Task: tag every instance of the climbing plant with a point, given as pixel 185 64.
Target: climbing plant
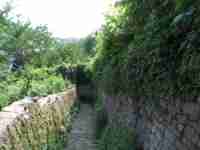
pixel 150 48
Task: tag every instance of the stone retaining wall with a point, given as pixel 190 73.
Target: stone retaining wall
pixel 29 123
pixel 167 124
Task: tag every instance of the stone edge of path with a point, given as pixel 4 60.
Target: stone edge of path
pixel 19 109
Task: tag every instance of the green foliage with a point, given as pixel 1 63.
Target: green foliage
pixel 30 82
pixel 36 48
pixel 52 84
pixel 37 44
pixel 117 138
pixel 45 82
pixel 101 119
pixel 142 52
pixel 4 100
pixel 88 45
pixel 10 90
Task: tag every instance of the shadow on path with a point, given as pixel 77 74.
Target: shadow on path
pixel 82 136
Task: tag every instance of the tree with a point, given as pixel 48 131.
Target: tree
pixel 88 45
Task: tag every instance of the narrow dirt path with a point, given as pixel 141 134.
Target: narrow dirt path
pixel 83 129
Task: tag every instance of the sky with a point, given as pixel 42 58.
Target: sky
pixel 64 18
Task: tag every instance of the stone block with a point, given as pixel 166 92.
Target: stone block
pixel 191 109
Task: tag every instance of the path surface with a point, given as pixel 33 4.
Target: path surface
pixel 83 129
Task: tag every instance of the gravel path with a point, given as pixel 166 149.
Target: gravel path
pixel 83 129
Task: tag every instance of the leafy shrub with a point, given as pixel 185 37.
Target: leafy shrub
pixel 3 100
pixel 30 82
pixel 150 48
pixel 117 138
pixel 101 119
pixel 101 123
pixel 38 89
pixel 39 73
pixel 112 136
pixel 14 91
pixel 50 85
pixel 10 90
pixel 55 84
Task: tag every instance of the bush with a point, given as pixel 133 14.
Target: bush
pixel 101 119
pixel 3 100
pixel 117 138
pixel 14 91
pixel 112 135
pixel 10 90
pixel 150 49
pixel 52 84
pixel 30 82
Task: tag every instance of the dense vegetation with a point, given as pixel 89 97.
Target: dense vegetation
pixel 117 138
pixel 30 82
pixel 150 48
pixel 147 48
pixel 30 58
pixel 113 135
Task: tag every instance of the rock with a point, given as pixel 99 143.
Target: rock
pixel 180 127
pixel 173 110
pixel 62 130
pixel 164 103
pixel 169 140
pixel 180 146
pixel 15 115
pixel 191 109
pixel 190 134
pixel 198 144
pixel 181 119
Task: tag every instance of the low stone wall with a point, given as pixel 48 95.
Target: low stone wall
pixel 30 123
pixel 167 124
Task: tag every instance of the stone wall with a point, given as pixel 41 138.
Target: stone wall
pixel 30 122
pixel 165 125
